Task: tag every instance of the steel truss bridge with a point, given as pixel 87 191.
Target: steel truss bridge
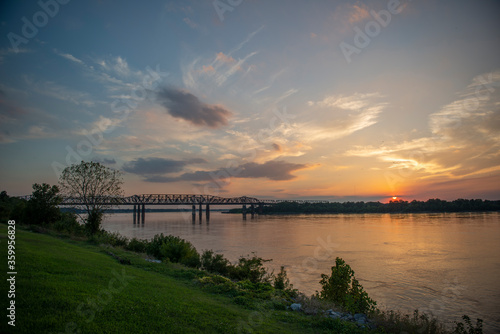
pixel 140 201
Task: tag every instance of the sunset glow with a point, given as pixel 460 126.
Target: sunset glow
pixel 269 99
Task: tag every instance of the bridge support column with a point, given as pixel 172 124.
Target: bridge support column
pixel 252 210
pixel 143 213
pixel 207 213
pixel 261 207
pixel 194 213
pixel 135 214
pixel 244 211
pixel 201 211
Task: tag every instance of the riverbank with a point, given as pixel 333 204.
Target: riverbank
pixel 68 285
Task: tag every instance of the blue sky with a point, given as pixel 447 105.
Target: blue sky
pixel 285 99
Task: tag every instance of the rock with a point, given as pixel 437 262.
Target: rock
pixel 335 315
pixel 155 261
pixel 296 307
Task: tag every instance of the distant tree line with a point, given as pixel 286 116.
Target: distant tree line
pixel 394 206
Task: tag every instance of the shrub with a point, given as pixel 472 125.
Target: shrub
pixel 460 327
pixel 136 245
pixel 174 249
pixel 219 284
pixel 251 269
pixel 68 223
pixel 215 263
pixel 282 283
pixel 343 289
pixel 181 251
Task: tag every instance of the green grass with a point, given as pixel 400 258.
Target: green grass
pixel 70 286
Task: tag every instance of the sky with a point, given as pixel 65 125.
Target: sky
pixel 329 100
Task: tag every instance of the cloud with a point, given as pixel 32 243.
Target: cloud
pixel 273 170
pixel 184 105
pixel 190 23
pixel 69 57
pixel 9 51
pixel 464 140
pixel 155 167
pixel 351 113
pixel 358 13
pixel 206 74
pixel 59 92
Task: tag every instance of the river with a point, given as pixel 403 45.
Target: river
pixel 447 264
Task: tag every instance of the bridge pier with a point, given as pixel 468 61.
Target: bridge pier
pixel 193 215
pixel 200 211
pixel 135 214
pixel 252 210
pixel 244 211
pixel 143 213
pixel 207 213
pixel 261 207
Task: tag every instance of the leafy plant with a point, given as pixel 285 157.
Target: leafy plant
pixel 215 263
pixel 343 289
pixel 471 329
pixel 173 249
pixel 282 283
pixel 251 269
pixel 136 245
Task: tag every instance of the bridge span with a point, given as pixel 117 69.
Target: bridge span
pixel 139 202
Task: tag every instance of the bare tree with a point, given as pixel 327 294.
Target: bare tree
pixel 94 186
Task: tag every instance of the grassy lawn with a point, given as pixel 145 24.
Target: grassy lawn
pixel 67 286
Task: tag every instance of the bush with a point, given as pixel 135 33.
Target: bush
pixel 219 284
pixel 251 269
pixel 282 283
pixel 174 249
pixel 343 289
pixel 181 251
pixel 68 223
pixel 136 245
pixel 460 327
pixel 215 263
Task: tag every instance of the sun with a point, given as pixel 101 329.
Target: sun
pixel 394 197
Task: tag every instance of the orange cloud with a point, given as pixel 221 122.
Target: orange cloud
pixel 223 58
pixel 358 13
pixel 207 69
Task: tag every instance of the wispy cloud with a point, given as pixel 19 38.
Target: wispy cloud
pixel 69 57
pixel 60 92
pixel 202 74
pixel 351 113
pixel 464 140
